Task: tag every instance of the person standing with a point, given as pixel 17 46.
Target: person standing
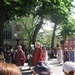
pixel 60 55
pixel 20 57
pixel 30 57
pixel 66 55
pixel 45 54
pixel 8 56
pixel 71 54
pixel 37 54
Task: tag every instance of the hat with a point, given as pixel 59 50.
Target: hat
pixel 68 67
pixel 42 68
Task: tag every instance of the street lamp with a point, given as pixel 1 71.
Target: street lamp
pixel 15 35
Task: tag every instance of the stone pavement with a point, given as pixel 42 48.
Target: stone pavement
pixel 56 68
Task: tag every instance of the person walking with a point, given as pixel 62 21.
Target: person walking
pixel 37 54
pixel 30 57
pixel 45 54
pixel 65 55
pixel 60 55
pixel 20 57
pixel 71 54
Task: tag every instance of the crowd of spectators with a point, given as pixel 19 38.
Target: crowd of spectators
pixel 8 52
pixel 11 54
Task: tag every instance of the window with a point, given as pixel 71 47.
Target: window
pixel 7 34
pixel 74 42
pixel 70 42
pixel 66 43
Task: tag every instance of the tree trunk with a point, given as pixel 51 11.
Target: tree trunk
pixel 53 36
pixel 30 41
pixel 37 30
pixel 1 22
pixel 38 25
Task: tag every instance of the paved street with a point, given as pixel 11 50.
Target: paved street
pixel 55 68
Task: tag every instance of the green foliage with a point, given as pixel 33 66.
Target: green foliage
pixel 44 37
pixel 27 27
pixel 18 8
pixel 68 28
pixel 57 11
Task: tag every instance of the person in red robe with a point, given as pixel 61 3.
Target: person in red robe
pixel 20 57
pixel 37 54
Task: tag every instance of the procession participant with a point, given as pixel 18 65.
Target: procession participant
pixel 60 55
pixel 20 57
pixel 65 55
pixel 37 54
pixel 30 56
pixel 45 54
pixel 71 54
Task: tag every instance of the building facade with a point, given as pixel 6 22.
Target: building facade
pixel 70 42
pixel 10 30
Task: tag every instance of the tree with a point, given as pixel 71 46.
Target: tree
pixel 44 37
pixel 54 10
pixel 49 10
pixel 68 29
pixel 1 21
pixel 27 28
pixel 11 8
pixel 60 15
pixel 42 8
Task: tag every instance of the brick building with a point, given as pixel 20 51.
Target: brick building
pixel 70 42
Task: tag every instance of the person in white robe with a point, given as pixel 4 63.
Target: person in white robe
pixel 60 55
pixel 45 54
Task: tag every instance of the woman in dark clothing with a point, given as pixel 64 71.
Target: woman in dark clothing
pixel 66 54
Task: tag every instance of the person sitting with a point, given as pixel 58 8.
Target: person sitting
pixel 9 69
pixel 42 68
pixel 68 68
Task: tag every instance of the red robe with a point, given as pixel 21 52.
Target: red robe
pixel 37 56
pixel 19 58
